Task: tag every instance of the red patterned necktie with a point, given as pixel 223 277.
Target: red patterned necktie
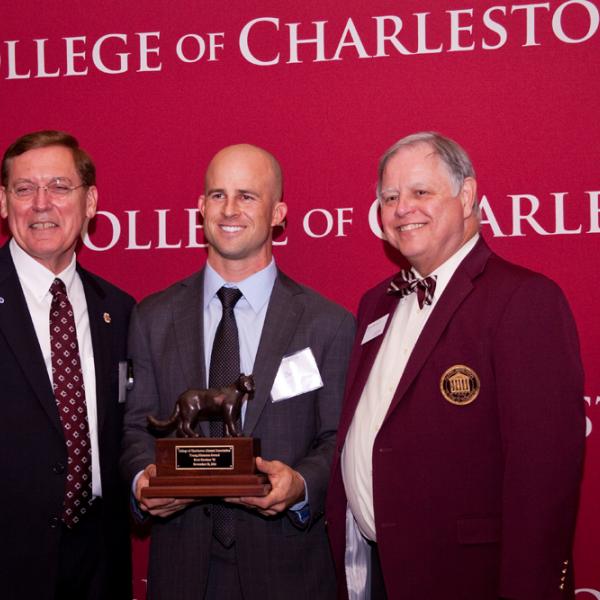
pixel 69 392
pixel 406 282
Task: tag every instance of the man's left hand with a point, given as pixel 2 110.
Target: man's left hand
pixel 287 488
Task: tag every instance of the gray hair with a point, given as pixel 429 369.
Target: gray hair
pixel 457 161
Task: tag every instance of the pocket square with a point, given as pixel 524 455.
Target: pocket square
pixel 298 373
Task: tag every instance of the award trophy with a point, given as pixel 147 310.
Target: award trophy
pixel 190 466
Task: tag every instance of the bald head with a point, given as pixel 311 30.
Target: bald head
pixel 240 206
pixel 241 156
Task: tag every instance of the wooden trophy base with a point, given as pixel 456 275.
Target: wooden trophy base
pixel 206 467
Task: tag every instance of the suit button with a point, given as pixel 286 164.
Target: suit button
pixel 58 468
pixel 54 522
pixel 206 511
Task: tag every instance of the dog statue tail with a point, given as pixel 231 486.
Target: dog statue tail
pixel 167 425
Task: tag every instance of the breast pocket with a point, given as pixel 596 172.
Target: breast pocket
pixel 479 530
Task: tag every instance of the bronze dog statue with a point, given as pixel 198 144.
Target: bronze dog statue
pixel 193 404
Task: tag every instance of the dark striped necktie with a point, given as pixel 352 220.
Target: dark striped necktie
pixel 406 282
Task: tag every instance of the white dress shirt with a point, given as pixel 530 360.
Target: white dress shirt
pixel 36 280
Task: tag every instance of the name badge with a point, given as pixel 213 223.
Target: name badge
pixel 374 329
pixel 125 379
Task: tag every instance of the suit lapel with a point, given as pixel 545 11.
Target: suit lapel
pixel 100 331
pixel 364 356
pixel 283 314
pixel 17 328
pixel 189 333
pixel 457 290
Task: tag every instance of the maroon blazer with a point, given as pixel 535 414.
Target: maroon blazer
pixel 475 501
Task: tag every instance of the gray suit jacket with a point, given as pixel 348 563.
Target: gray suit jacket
pixel 277 558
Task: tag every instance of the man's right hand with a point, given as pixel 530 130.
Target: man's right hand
pixel 158 507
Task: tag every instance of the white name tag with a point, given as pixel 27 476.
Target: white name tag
pixel 374 329
pixel 297 374
pixel 122 381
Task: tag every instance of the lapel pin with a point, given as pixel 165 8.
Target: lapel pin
pixel 107 318
pixel 1 300
pixel 460 385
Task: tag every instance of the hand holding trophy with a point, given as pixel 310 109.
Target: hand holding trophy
pixel 191 466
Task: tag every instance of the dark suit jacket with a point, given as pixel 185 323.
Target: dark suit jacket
pixel 32 446
pixel 276 558
pixel 477 501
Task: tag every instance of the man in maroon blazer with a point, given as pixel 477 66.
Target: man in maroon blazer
pixel 460 445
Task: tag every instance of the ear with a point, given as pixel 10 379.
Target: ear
pixel 467 194
pixel 201 204
pixel 3 203
pixel 279 213
pixel 91 202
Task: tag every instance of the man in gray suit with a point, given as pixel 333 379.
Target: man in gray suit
pixel 279 547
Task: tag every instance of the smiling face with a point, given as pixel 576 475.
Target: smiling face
pixel 240 206
pixel 47 228
pixel 423 216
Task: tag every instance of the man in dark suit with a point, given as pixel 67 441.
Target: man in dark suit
pixel 460 445
pixel 296 344
pixel 65 531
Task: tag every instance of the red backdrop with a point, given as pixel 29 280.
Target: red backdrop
pixel 154 89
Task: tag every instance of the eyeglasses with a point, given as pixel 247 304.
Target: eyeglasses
pixel 57 188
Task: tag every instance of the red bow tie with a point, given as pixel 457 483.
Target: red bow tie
pixel 406 282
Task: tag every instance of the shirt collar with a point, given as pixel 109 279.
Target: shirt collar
pixel 256 288
pixel 444 272
pixel 35 276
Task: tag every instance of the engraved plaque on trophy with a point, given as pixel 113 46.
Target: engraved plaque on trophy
pixel 190 466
